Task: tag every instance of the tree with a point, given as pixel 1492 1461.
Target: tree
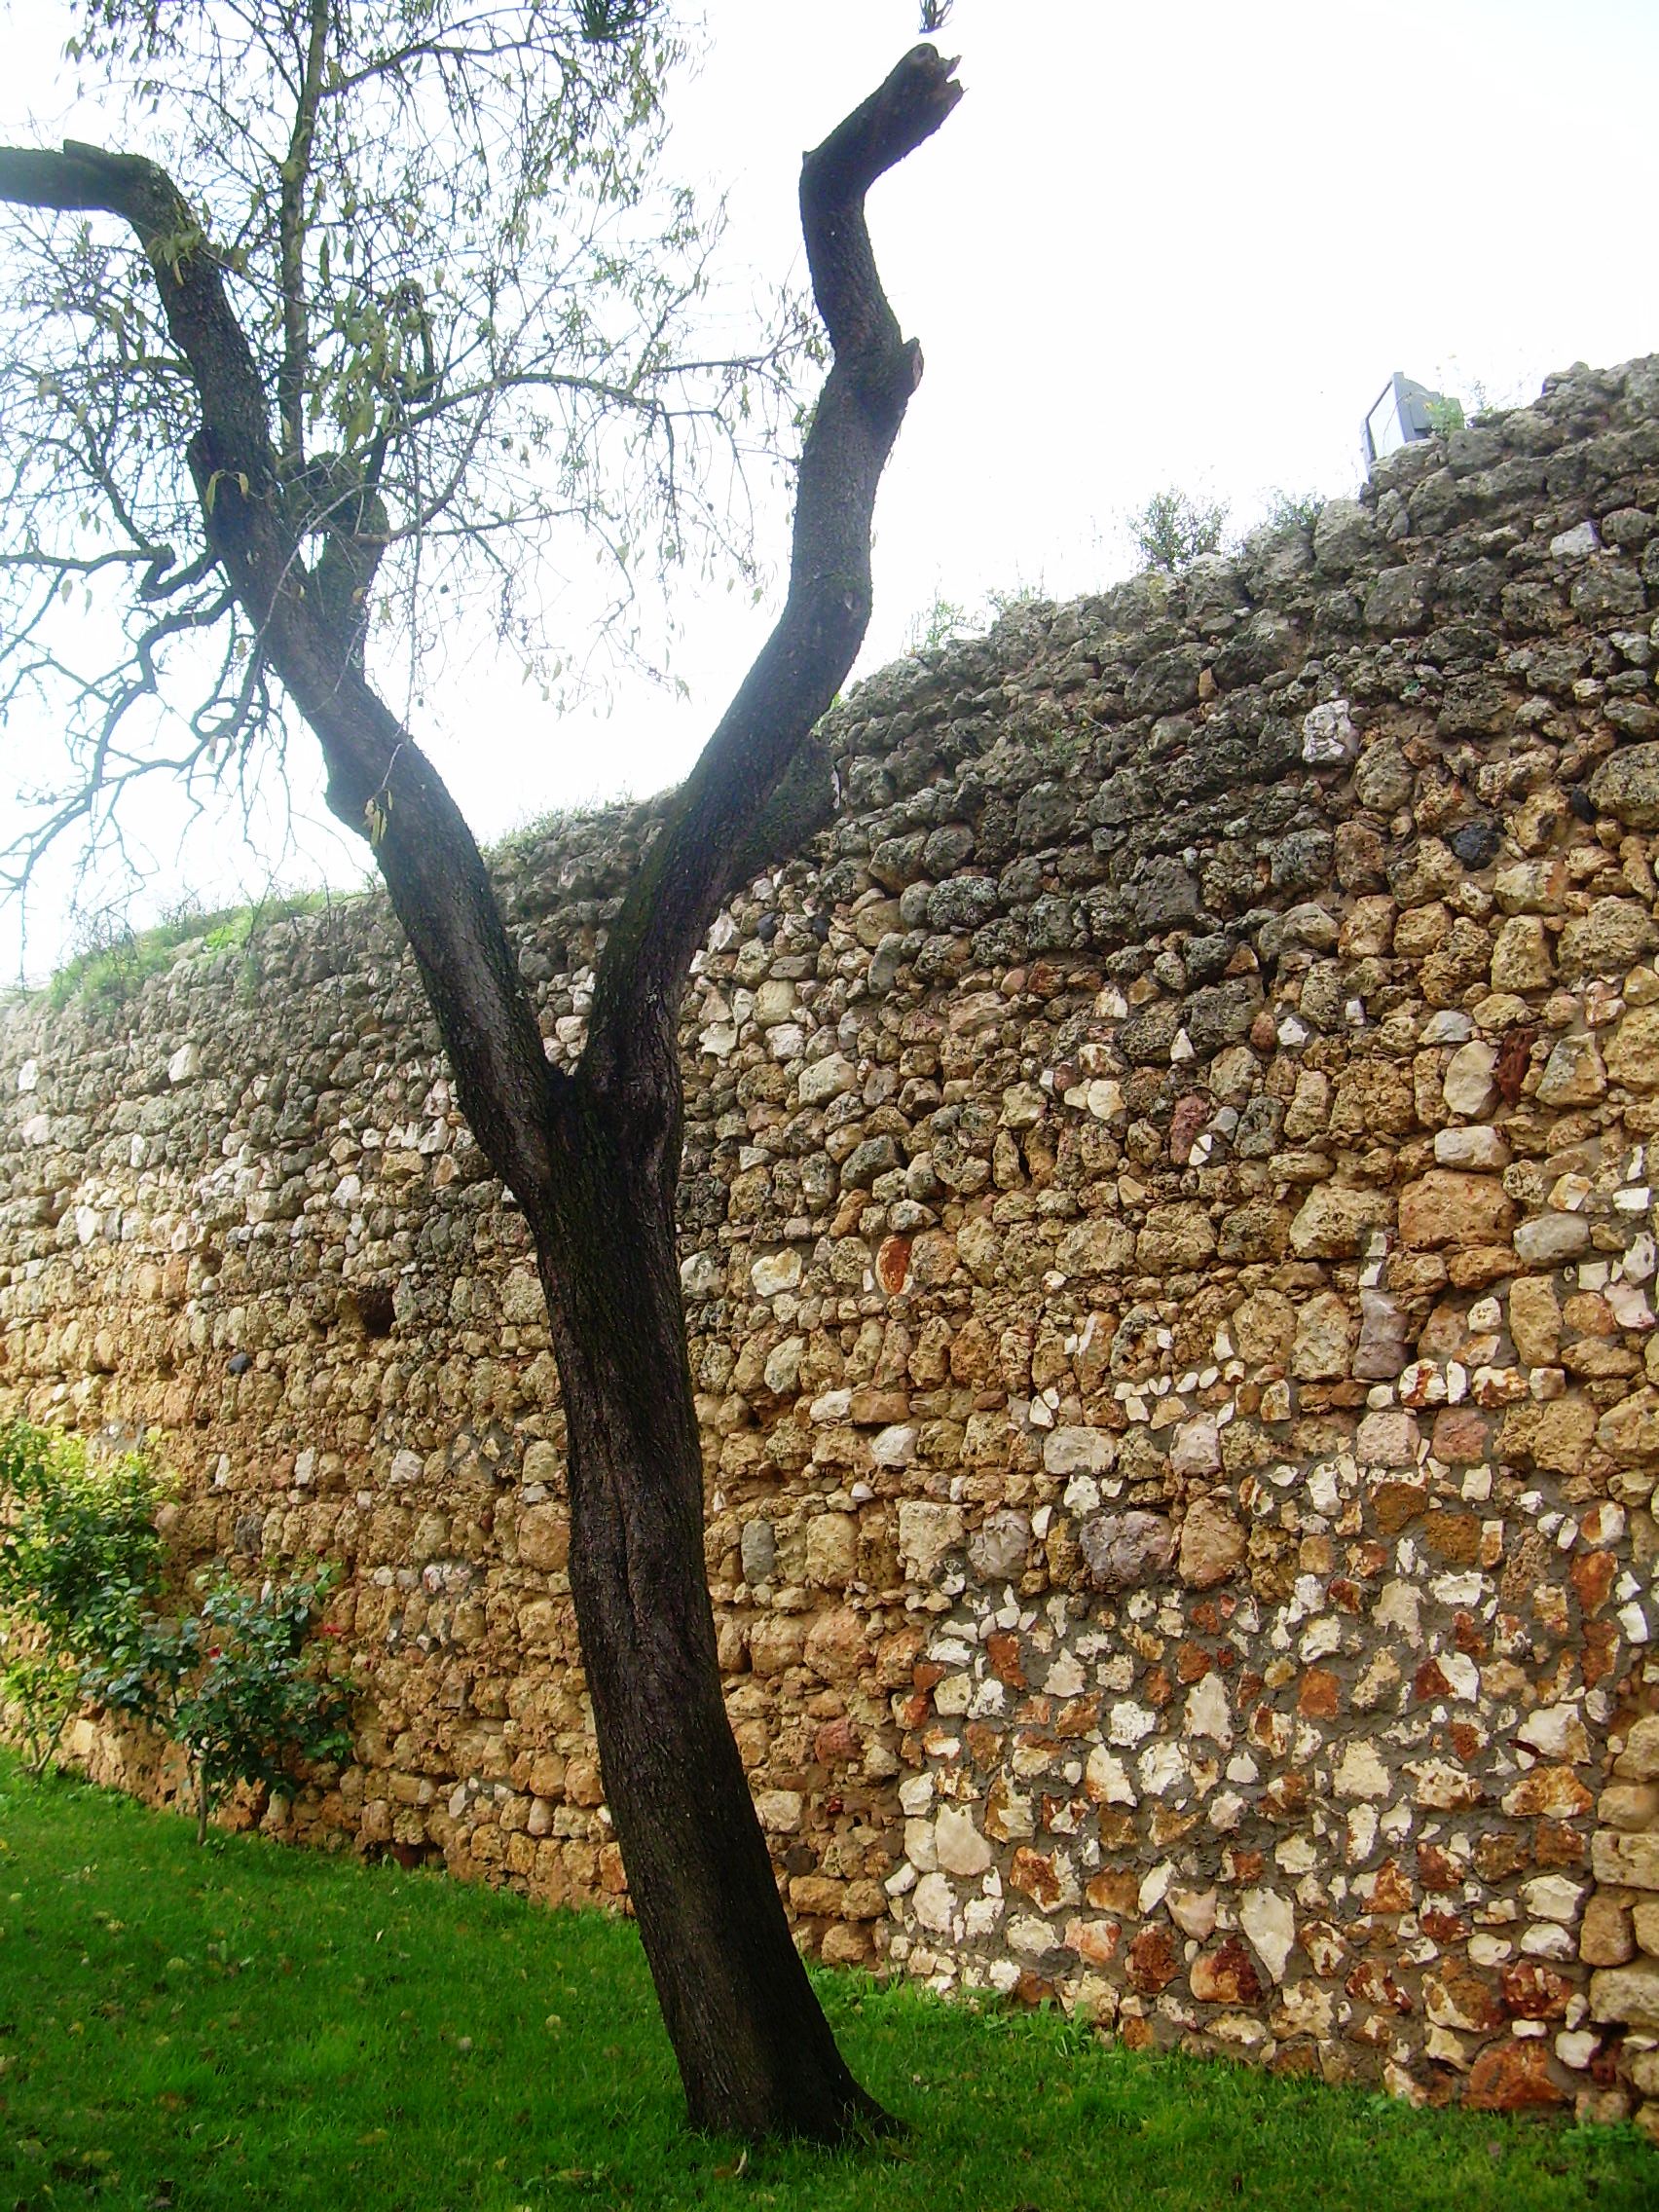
pixel 591 1157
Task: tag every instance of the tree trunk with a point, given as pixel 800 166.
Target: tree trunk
pixel 756 2055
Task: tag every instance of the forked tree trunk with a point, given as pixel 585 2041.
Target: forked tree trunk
pixel 593 1157
pixel 756 2055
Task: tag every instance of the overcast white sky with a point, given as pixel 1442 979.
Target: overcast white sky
pixel 1183 245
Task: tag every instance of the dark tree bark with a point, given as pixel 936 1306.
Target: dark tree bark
pixel 593 1157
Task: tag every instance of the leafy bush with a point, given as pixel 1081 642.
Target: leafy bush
pixel 1173 528
pixel 80 1557
pixel 231 1679
pixel 234 1683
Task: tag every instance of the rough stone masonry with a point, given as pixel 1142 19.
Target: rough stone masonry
pixel 1168 1219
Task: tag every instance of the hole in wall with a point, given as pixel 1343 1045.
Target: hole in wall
pixel 375 1309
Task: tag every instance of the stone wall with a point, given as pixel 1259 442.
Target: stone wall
pixel 1169 1255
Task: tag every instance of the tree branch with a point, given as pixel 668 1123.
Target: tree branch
pixel 378 775
pixel 682 881
pixel 295 173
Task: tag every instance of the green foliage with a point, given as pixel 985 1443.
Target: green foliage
pixel 937 625
pixel 1173 529
pixel 1018 596
pixel 171 2012
pixel 480 308
pixel 232 1678
pixel 945 621
pixel 114 960
pixel 1444 416
pixel 79 1557
pixel 1293 510
pixel 235 1683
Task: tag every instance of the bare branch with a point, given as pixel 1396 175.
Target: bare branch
pixel 295 179
pixel 632 1029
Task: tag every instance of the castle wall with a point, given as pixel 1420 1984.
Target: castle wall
pixel 1169 1255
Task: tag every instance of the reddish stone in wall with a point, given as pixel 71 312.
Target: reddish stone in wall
pixel 1388 1891
pixel 1435 1870
pixel 1462 1437
pixel 1599 1649
pixel 1226 1975
pixel 1593 1574
pixel 1511 2076
pixel 1152 1962
pixel 836 1743
pixel 1117 1890
pixel 1319 1697
pixel 1095 1940
pixel 1373 1985
pixel 1189 1118
pixel 1035 1875
pixel 1533 1991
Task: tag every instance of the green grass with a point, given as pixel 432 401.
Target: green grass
pixel 108 971
pixel 250 2026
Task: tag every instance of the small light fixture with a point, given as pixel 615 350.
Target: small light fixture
pixel 1402 413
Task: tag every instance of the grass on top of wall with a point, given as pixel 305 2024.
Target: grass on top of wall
pixel 247 2025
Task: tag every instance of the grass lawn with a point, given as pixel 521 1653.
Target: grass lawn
pixel 247 2025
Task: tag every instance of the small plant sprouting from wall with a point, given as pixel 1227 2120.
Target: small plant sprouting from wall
pixel 1293 510
pixel 1173 529
pixel 938 624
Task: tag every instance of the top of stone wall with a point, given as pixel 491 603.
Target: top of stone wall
pixel 1105 771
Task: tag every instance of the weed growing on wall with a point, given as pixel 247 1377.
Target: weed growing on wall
pixel 1173 529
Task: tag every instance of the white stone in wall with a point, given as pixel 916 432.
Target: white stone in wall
pixel 1557 1731
pixel 1575 544
pixel 1164 1769
pixel 927 1534
pixel 775 1271
pixel 958 1846
pixel 1360 1773
pixel 1078 1451
pixel 934 1904
pixel 1207 1711
pixel 1270 1922
pixel 1328 735
pixel 1128 1723
pixel 823 1080
pixel 1552 1896
pixel 1107 1779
